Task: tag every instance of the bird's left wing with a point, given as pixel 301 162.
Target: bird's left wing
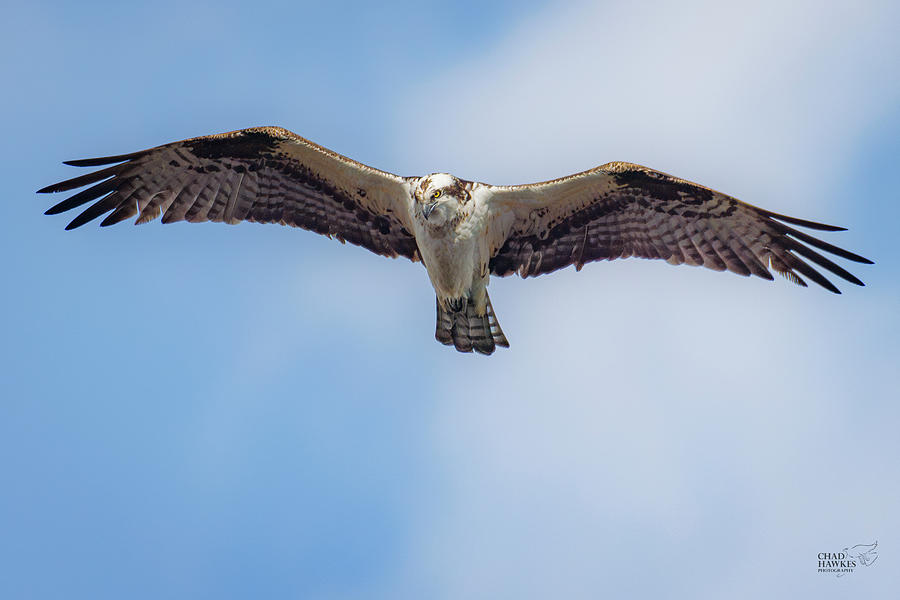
pixel 620 209
pixel 263 174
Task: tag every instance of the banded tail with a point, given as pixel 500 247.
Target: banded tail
pixel 468 331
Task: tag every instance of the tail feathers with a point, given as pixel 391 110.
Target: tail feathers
pixel 444 331
pixel 468 331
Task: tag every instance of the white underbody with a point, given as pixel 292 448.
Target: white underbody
pixel 451 260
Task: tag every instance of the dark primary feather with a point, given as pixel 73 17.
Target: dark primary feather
pixel 265 175
pixel 644 213
pixel 103 160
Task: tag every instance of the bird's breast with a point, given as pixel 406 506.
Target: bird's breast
pixel 451 261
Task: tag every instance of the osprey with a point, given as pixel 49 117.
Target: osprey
pixel 462 231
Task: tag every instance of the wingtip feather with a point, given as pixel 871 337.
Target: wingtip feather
pixel 102 160
pixel 804 222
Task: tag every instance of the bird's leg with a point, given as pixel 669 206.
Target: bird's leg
pixel 457 304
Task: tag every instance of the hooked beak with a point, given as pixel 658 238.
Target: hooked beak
pixel 427 209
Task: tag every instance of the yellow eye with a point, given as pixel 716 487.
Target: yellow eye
pixel 436 194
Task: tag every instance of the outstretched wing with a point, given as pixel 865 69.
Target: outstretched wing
pixel 264 174
pixel 621 209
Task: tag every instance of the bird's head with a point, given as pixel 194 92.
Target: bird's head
pixel 441 200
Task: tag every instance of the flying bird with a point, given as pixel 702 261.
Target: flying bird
pixel 462 231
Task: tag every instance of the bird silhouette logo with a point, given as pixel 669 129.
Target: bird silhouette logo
pixel 863 554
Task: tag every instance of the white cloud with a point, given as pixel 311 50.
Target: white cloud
pixel 653 426
pixel 715 92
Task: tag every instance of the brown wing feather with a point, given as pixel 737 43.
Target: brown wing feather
pixel 621 210
pixel 265 175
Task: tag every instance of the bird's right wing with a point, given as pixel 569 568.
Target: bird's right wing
pixel 263 174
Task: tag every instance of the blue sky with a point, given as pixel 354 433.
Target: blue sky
pixel 202 411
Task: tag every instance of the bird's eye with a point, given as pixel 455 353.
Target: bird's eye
pixel 436 194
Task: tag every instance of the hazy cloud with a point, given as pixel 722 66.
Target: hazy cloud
pixel 655 427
